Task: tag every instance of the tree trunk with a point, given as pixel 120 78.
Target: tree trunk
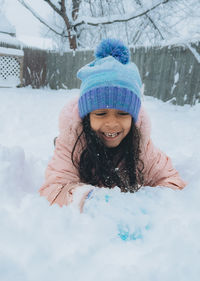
pixel 72 42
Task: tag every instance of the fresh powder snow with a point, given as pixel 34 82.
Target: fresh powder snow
pixel 150 235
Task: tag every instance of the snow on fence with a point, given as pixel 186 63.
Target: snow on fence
pixel 11 67
pixel 170 73
pixel 34 73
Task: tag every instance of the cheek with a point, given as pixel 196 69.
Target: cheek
pixel 127 125
pixel 94 124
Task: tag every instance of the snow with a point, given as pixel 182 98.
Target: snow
pixel 10 81
pixel 116 18
pixel 150 235
pixel 194 52
pixel 5 25
pixel 5 38
pixel 37 42
pixel 37 15
pixel 11 52
pixel 176 78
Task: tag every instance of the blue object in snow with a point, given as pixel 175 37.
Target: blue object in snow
pixel 90 194
pixel 107 198
pixel 125 235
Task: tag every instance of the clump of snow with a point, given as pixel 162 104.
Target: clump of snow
pixel 194 52
pixel 176 78
pixel 150 235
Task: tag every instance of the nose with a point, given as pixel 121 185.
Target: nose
pixel 111 122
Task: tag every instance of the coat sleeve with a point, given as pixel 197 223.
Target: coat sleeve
pixel 157 166
pixel 61 176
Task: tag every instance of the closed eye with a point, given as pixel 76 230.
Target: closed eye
pixel 123 113
pixel 100 114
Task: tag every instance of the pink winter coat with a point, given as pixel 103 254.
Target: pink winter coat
pixel 62 182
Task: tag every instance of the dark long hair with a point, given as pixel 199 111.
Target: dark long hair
pixel 99 165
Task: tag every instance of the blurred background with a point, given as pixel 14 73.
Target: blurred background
pixel 45 42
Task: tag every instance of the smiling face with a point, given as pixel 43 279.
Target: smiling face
pixel 111 125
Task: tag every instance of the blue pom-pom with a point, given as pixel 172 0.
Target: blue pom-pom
pixel 114 48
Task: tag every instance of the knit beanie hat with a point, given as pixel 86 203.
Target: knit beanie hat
pixel 110 81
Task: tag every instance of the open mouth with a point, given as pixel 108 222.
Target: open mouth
pixel 111 135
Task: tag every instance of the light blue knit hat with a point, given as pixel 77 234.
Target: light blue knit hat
pixel 110 81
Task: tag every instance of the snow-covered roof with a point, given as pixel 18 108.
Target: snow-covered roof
pixel 7 32
pixel 6 26
pixel 10 40
pixel 11 52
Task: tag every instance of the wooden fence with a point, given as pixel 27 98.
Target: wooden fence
pixel 170 73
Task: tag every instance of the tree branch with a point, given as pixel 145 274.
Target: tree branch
pixel 63 8
pixel 53 7
pixel 39 18
pixel 75 8
pixel 155 26
pixel 106 20
pixel 62 13
pixel 152 21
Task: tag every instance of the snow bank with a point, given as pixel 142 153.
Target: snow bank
pixel 151 235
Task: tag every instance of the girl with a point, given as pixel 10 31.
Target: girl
pixel 104 138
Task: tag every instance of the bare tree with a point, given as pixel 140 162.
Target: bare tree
pixel 84 22
pixel 60 9
pixel 73 21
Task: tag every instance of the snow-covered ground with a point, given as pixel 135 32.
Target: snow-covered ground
pixel 151 235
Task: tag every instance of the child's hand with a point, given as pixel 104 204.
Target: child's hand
pixel 81 194
pixel 94 197
pixel 92 194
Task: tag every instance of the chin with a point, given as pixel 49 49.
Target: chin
pixel 111 145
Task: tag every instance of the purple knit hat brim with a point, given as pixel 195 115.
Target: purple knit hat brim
pixel 110 97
